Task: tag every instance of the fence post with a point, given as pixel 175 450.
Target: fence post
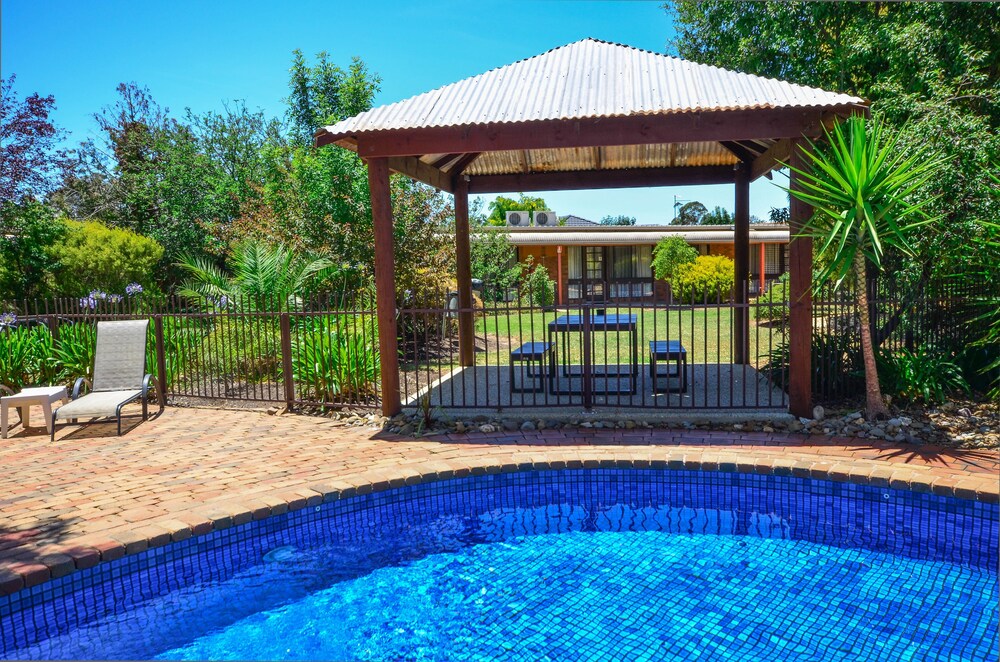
pixel 161 360
pixel 286 360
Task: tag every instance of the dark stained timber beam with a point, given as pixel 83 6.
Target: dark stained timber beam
pixel 738 150
pixel 441 162
pixel 462 163
pixel 777 154
pixel 423 172
pixel 597 179
pixel 752 124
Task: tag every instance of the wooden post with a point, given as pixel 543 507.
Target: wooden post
pixel 763 265
pixel 741 253
pixel 800 297
pixel 559 278
pixel 463 273
pixel 285 328
pixel 385 283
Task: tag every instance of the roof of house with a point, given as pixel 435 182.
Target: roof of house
pixel 587 79
pixel 641 234
pixel 576 221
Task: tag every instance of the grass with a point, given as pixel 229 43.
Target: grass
pixel 706 333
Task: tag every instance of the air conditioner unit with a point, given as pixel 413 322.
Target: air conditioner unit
pixel 518 219
pixel 546 218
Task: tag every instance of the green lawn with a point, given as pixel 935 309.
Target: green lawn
pixel 706 333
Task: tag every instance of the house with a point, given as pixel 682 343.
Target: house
pixel 609 263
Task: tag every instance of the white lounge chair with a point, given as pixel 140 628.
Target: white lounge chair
pixel 119 376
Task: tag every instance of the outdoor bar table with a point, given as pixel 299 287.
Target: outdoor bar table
pixel 587 326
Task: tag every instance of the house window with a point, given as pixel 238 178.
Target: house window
pixel 772 258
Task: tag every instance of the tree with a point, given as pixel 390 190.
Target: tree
pixel 669 253
pixel 718 216
pixel 324 94
pixel 690 213
pixel 493 260
pixel 27 232
pixel 501 205
pixel 860 190
pixel 94 256
pixel 618 220
pixel 778 215
pixel 930 70
pixel 30 164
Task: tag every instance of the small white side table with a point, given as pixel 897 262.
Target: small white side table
pixel 39 395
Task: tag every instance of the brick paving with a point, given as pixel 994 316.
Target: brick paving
pixel 93 496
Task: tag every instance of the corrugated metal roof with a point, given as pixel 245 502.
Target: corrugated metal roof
pixel 587 79
pixel 603 236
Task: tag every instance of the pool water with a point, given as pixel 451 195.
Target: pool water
pixel 576 564
pixel 628 595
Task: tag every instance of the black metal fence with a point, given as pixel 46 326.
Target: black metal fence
pixel 696 351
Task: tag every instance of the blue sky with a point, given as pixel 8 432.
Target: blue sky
pixel 201 54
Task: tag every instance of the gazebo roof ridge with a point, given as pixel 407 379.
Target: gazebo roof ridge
pixel 648 83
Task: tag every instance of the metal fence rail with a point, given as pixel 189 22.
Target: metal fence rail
pixel 323 352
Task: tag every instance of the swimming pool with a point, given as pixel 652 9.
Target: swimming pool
pixel 573 564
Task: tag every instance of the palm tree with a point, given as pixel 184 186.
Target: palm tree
pixel 861 191
pixel 260 276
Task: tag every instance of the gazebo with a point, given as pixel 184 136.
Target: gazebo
pixel 590 115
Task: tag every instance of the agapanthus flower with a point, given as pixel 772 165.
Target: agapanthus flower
pixel 88 302
pixel 133 289
pixel 8 319
pixel 98 295
pixel 222 301
pixel 115 298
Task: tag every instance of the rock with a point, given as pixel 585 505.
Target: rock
pixel 586 424
pixel 599 425
pixel 527 426
pixel 768 428
pixel 509 425
pixel 854 416
pixel 894 423
pixel 819 413
pixel 487 427
pixel 964 412
pixel 460 427
pixel 541 425
pixel 905 421
pixel 406 429
pixel 877 432
pixel 795 426
pixel 804 421
pixel 629 425
pixel 738 427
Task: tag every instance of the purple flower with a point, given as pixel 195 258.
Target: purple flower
pixel 115 298
pixel 8 319
pixel 133 289
pixel 98 295
pixel 88 302
pixel 222 301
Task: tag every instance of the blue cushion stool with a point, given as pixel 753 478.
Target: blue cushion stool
pixel 530 353
pixel 670 351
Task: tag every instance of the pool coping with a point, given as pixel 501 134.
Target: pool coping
pixel 639 451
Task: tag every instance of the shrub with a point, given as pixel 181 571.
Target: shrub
pixel 73 353
pixel 772 306
pixel 539 288
pixel 94 256
pixel 424 289
pixel 924 375
pixel 709 277
pixel 494 262
pixel 670 253
pixel 836 366
pixel 333 358
pixel 25 357
pixel 241 348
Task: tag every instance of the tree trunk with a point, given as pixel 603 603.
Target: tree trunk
pixel 874 404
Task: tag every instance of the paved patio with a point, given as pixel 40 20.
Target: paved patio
pixel 93 496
